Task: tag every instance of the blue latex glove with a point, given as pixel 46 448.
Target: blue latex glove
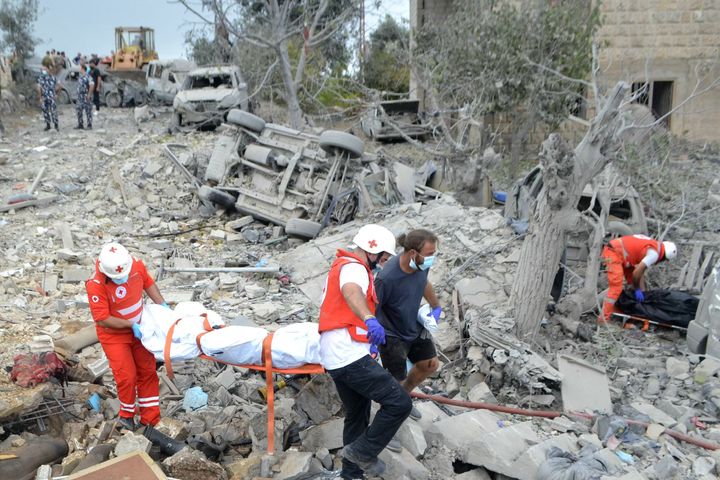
pixel 639 296
pixel 436 312
pixel 164 304
pixel 136 331
pixel 376 332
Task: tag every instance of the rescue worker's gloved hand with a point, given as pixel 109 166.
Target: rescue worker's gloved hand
pixel 639 296
pixel 374 351
pixel 436 312
pixel 376 332
pixel 164 304
pixel 136 331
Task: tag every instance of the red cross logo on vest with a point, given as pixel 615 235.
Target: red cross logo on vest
pixel 372 244
pixel 113 249
pixel 119 269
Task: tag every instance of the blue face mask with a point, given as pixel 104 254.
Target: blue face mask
pixel 427 263
pixel 120 281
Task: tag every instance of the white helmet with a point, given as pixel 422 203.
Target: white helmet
pixel 670 250
pixel 115 261
pixel 375 239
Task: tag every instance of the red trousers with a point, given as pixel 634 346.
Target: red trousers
pixel 616 271
pixel 134 370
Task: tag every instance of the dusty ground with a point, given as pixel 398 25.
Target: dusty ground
pixel 129 192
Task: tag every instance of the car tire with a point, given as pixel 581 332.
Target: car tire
pixel 217 196
pixel 245 119
pixel 63 97
pixel 299 227
pixel 332 140
pixel 618 229
pixel 113 100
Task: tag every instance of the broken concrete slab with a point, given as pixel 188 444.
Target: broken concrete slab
pixel 294 463
pixel 481 393
pixel 244 468
pixel 430 412
pixel 706 369
pixel 411 436
pixel 328 434
pixel 458 431
pixel 478 291
pixel 584 386
pixel 131 442
pixel 677 367
pixel 476 474
pixel 75 275
pixel 499 450
pixel 191 464
pixel 526 466
pixel 318 399
pixel 403 466
pixel 656 415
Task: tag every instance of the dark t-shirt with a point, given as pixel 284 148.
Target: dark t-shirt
pixel 399 295
pixel 95 74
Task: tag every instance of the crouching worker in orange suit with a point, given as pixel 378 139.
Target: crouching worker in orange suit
pixel 630 257
pixel 115 295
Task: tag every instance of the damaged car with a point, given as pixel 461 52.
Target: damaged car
pixel 395 120
pixel 207 95
pixel 298 180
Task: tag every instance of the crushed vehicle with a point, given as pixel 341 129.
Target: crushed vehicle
pixel 703 334
pixel 300 181
pixel 164 78
pixel 395 120
pixel 114 93
pixel 626 215
pixel 207 95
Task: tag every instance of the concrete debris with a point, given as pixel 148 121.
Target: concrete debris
pixel 294 463
pixel 190 464
pixel 327 434
pixel 131 442
pixel 584 386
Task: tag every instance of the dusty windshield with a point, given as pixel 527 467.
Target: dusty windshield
pixel 194 82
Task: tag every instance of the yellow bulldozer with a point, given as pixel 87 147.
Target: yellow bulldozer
pixel 134 48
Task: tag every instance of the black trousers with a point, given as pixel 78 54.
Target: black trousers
pixel 358 384
pixel 96 100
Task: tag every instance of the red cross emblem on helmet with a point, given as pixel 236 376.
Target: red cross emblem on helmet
pixel 119 269
pixel 113 249
pixel 372 244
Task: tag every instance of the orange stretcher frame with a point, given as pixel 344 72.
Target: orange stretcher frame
pixel 267 367
pixel 628 319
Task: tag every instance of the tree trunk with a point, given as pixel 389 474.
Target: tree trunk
pixel 565 174
pixel 291 98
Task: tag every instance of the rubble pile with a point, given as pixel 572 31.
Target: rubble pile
pixel 115 182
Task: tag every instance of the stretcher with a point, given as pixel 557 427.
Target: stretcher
pixel 629 320
pixel 266 367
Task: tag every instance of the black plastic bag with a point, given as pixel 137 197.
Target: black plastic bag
pixel 664 306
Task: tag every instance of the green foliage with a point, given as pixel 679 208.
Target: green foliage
pixel 387 67
pixel 498 56
pixel 17 21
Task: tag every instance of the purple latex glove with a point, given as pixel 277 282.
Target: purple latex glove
pixel 639 296
pixel 436 312
pixel 374 351
pixel 376 332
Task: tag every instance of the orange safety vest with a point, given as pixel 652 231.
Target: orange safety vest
pixel 633 248
pixel 335 312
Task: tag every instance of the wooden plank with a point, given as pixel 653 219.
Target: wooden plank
pixel 694 264
pixel 703 269
pixel 681 278
pixel 135 466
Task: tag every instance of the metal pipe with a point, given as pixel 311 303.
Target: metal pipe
pixel 273 269
pixel 706 444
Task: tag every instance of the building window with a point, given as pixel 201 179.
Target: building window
pixel 657 95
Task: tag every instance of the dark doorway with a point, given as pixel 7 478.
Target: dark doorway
pixel 657 96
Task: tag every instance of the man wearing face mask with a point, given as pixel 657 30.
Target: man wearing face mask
pixel 400 287
pixel 348 328
pixel 115 295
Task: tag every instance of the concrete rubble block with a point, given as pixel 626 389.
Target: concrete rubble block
pixel 402 466
pixel 244 468
pixel 499 450
pixel 430 412
pixel 706 369
pixel 476 474
pixel 478 291
pixel 656 415
pixel 491 221
pixel 190 464
pixel 173 428
pixel 666 468
pixel 68 255
pixel 152 168
pixel 327 434
pixel 234 239
pixel 703 466
pixel 177 296
pixel 70 463
pixel 631 474
pixel 458 431
pixel 253 290
pixel 50 283
pixel 411 437
pixel 671 408
pixel 323 455
pixel 42 343
pixel 257 429
pixel 217 234
pixel 98 368
pixel 677 367
pixel 584 386
pixel 239 223
pixel 75 274
pixel 266 312
pixel 526 466
pixel 293 463
pixel 131 442
pixel 318 399
pixel 44 472
pixel 447 337
pixel 481 393
pixel 654 431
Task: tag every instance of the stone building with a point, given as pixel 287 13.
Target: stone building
pixel 672 47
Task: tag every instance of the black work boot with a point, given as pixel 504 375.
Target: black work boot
pixel 371 466
pixel 79 127
pixel 127 423
pixel 47 127
pixel 57 127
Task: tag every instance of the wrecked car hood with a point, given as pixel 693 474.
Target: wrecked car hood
pixel 205 94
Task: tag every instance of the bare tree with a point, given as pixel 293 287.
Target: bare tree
pixel 275 24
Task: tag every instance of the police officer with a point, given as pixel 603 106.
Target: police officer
pixel 84 97
pixel 47 86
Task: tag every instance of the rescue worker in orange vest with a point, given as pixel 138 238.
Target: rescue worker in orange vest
pixel 349 332
pixel 115 295
pixel 630 257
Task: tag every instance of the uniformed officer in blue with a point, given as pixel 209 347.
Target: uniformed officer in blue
pixel 47 87
pixel 84 97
